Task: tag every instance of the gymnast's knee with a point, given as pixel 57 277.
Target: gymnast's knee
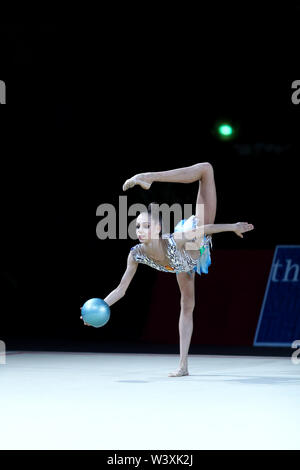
pixel 208 167
pixel 187 306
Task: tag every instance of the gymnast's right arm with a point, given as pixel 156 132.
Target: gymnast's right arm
pixel 120 291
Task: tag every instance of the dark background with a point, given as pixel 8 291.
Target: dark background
pixel 85 111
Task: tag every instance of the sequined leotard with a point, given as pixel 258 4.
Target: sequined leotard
pixel 179 260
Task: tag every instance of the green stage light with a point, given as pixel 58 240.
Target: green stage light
pixel 225 130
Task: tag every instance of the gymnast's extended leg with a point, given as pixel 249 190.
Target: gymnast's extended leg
pixel 187 174
pixel 202 172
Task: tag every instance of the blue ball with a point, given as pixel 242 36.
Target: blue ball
pixel 95 312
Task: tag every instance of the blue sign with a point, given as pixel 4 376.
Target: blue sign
pixel 279 321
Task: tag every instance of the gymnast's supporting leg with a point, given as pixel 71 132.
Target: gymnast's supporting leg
pixel 186 284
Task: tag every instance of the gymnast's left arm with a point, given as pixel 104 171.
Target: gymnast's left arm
pixel 197 234
pixel 239 228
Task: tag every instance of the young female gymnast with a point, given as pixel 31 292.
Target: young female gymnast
pixel 169 253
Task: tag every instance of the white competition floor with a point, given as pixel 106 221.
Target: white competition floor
pixel 126 401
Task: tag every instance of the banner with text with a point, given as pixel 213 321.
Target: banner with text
pixel 279 321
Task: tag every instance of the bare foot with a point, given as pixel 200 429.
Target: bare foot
pixel 179 373
pixel 140 179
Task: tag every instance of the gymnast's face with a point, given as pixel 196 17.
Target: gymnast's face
pixel 146 228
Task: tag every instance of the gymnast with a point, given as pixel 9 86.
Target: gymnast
pixel 184 252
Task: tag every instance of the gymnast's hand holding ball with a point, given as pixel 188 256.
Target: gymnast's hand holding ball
pixel 95 312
